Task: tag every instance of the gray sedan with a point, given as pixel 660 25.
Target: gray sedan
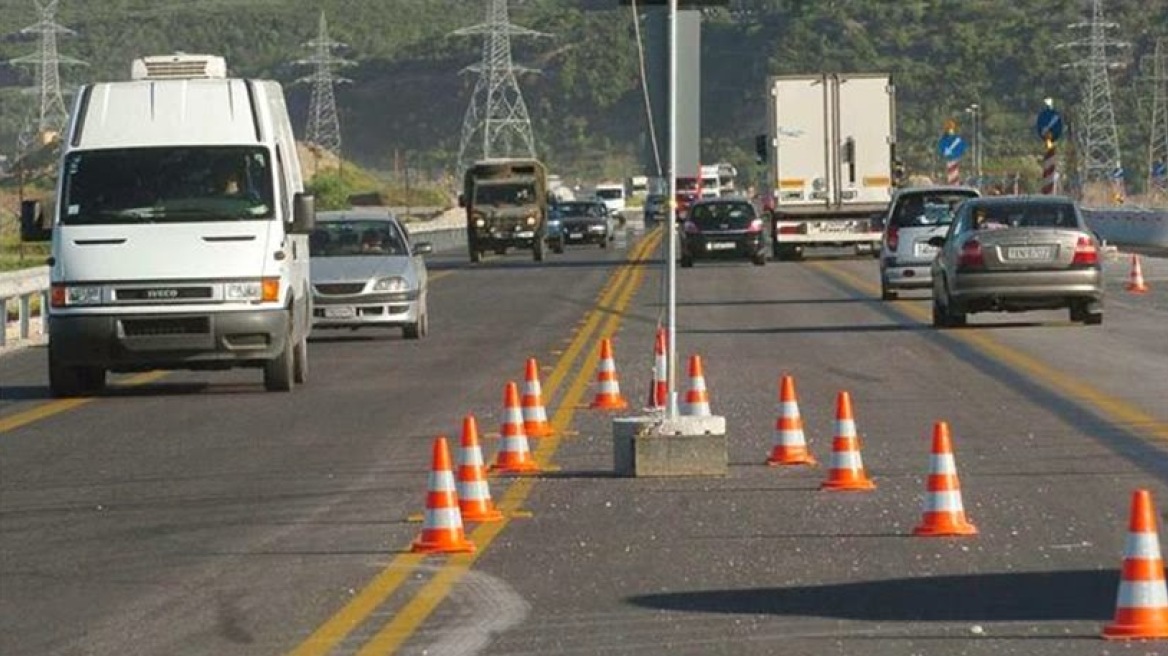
pixel 367 272
pixel 1017 253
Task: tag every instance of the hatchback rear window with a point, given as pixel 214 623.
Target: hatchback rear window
pixel 928 209
pixel 1026 215
pixel 715 215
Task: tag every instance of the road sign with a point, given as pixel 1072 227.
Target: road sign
pixel 951 146
pixel 1159 169
pixel 1049 122
pixel 1117 173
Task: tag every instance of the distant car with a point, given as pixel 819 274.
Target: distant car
pixel 656 207
pixel 612 195
pixel 554 233
pixel 722 228
pixel 915 215
pixel 1017 253
pixel 367 272
pixel 586 222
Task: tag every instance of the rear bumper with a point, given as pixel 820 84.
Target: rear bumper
pixel 1031 290
pixel 135 342
pixel 748 245
pixel 906 275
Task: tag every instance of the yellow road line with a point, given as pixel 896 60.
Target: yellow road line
pixel 345 620
pixel 1116 409
pixel 415 612
pixel 51 408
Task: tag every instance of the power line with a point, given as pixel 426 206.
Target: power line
pixel 496 123
pixel 324 124
pixel 51 113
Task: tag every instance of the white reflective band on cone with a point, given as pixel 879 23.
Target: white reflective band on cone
pixel 949 501
pixel 473 490
pixel 534 413
pixel 846 460
pixel 845 427
pixel 515 444
pixel 791 437
pixel 698 409
pixel 441 481
pixel 1142 594
pixel 443 518
pixel 1142 545
pixel 942 463
pixel 471 457
pixel 789 409
pixel 514 416
pixel 609 386
pixel 607 366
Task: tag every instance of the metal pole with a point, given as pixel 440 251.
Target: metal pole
pixel 671 232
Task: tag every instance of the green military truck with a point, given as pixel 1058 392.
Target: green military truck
pixel 506 205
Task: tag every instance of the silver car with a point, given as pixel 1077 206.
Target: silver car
pixel 1017 253
pixel 367 272
pixel 915 215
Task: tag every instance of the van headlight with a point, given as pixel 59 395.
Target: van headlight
pixel 70 295
pixel 265 289
pixel 391 284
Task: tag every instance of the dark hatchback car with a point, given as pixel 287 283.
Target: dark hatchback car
pixel 723 228
pixel 585 222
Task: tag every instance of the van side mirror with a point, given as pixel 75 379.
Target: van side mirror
pixel 32 222
pixel 303 213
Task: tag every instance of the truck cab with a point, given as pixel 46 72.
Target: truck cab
pixel 179 236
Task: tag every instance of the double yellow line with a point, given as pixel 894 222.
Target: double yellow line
pixel 604 319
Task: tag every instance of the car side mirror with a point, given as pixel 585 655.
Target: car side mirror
pixel 32 222
pixel 423 248
pixel 937 242
pixel 303 213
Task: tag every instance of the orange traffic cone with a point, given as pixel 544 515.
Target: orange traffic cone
pixel 847 468
pixel 944 513
pixel 514 456
pixel 659 386
pixel 442 526
pixel 474 494
pixel 697 398
pixel 1135 280
pixel 608 395
pixel 1141 610
pixel 535 421
pixel 789 447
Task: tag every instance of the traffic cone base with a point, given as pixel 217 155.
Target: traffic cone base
pixel 442 523
pixel 791 455
pixel 474 493
pixel 1141 607
pixel 939 524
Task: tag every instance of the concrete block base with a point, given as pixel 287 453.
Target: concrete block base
pixel 655 446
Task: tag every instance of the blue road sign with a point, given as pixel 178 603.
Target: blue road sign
pixel 1160 169
pixel 1117 173
pixel 951 146
pixel 1049 121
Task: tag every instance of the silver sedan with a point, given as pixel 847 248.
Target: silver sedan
pixel 1014 254
pixel 367 272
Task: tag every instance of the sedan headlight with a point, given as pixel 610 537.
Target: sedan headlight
pixel 391 284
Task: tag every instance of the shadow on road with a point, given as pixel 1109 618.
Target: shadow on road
pixel 1026 596
pixel 808 330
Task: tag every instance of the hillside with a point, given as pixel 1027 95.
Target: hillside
pixel 405 104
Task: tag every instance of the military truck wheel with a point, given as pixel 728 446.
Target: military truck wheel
pixel 538 249
pixel 475 254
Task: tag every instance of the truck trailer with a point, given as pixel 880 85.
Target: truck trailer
pixel 830 146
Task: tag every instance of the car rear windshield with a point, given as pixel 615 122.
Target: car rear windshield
pixel 1025 215
pixel 734 216
pixel 932 209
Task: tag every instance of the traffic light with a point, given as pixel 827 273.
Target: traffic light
pixel 760 149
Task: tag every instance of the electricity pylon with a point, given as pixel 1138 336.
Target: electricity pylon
pixel 1157 77
pixel 324 125
pixel 496 123
pixel 51 114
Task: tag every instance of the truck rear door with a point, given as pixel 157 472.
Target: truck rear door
pixel 864 123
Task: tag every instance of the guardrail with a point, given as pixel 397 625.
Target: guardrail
pixel 19 288
pixel 1139 228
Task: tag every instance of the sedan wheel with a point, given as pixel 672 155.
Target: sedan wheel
pixel 419 328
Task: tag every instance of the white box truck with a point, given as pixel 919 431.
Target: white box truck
pixel 830 146
pixel 179 236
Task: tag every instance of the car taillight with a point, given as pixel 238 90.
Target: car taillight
pixel 789 230
pixel 1085 252
pixel 893 238
pixel 971 256
pixel 691 228
pixel 755 226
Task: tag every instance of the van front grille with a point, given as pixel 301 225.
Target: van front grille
pixel 166 326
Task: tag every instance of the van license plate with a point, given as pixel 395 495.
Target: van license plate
pixel 340 313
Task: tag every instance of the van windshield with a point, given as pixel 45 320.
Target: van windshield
pixel 609 193
pixel 167 185
pixel 506 193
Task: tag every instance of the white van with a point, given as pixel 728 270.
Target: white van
pixel 179 239
pixel 613 195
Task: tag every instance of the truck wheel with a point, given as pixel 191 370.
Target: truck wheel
pixel 475 254
pixel 278 372
pixel 300 361
pixel 558 248
pixel 67 382
pixel 538 249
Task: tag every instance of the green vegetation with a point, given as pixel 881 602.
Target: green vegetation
pixel 405 105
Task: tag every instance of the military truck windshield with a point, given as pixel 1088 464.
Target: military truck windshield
pixel 167 185
pixel 509 193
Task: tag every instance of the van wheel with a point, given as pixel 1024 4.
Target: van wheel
pixel 67 382
pixel 300 361
pixel 278 372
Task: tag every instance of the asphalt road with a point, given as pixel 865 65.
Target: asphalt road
pixel 193 513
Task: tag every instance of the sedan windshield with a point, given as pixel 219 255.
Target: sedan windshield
pixel 167 185
pixel 722 216
pixel 356 237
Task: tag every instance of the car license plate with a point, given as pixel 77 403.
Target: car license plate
pixel 340 313
pixel 922 249
pixel 575 235
pixel 527 234
pixel 1029 253
pixel 721 245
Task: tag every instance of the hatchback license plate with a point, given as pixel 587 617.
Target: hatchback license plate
pixel 340 313
pixel 1029 253
pixel 721 245
pixel 923 249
